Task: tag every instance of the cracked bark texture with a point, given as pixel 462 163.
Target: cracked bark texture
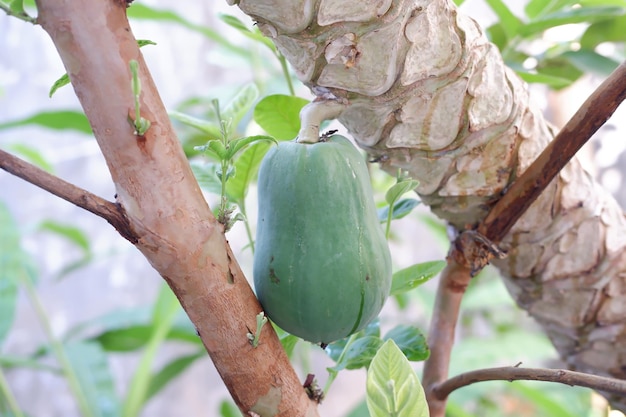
pixel 426 92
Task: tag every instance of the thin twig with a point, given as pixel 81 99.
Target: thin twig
pixel 594 112
pixel 111 212
pixel 473 250
pixel 512 373
pixel 452 284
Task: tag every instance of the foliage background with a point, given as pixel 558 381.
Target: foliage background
pixel 82 275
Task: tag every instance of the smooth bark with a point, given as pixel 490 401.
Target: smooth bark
pixel 173 224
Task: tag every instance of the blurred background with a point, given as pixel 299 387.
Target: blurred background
pixel 88 284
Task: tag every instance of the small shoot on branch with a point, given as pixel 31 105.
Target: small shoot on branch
pixel 260 322
pixel 398 208
pixel 140 124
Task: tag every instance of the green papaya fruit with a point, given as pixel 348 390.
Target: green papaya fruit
pixel 322 267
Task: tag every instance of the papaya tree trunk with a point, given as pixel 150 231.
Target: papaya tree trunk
pixel 168 218
pixel 425 91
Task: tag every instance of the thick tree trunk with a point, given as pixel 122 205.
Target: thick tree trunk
pixel 170 220
pixel 426 92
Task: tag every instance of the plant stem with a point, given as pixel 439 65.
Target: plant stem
pixel 57 347
pixel 22 16
pixel 285 68
pixel 388 226
pixel 6 393
pixel 333 373
pixel 242 208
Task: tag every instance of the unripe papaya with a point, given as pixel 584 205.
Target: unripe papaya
pixel 322 267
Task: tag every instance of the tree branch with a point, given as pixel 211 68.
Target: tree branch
pixel 452 285
pixel 513 373
pixel 594 112
pixel 165 207
pixel 111 212
pixel 472 250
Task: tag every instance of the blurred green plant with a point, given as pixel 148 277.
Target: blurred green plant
pixel 492 330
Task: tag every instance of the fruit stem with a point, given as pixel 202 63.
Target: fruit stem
pixel 313 114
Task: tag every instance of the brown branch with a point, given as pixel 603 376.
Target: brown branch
pixel 452 285
pixel 594 112
pixel 176 229
pixel 473 249
pixel 110 212
pixel 513 373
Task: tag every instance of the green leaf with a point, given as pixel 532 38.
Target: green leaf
pixel 143 42
pixel 606 31
pixel 57 120
pixel 228 409
pixel 240 104
pixel 400 209
pixel 591 62
pixel 219 149
pixel 163 315
pixel 246 166
pixel 32 155
pixel 398 189
pixel 411 342
pixel 497 36
pixel 206 175
pixel 61 82
pixel 510 23
pixel 536 8
pixel 358 354
pixel 72 233
pixel 211 129
pixel 415 275
pixel 568 16
pixel 236 145
pixel 170 371
pixel 91 366
pixel 254 33
pixel 392 386
pixel 549 80
pixel 142 11
pixel 335 349
pixel 279 115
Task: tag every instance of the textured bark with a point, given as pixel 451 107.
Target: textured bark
pixel 426 92
pixel 173 226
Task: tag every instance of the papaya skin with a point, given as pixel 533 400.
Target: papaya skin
pixel 322 267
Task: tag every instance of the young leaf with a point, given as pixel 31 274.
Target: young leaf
pixel 206 175
pixel 359 353
pixel 279 115
pixel 400 209
pixel 411 342
pixel 236 145
pixel 170 371
pixel 211 129
pixel 399 188
pixel 415 275
pixel 254 33
pixel 32 155
pixel 57 120
pixel 228 409
pixel 568 16
pixel 92 370
pixel 61 82
pixel 72 233
pixel 392 386
pixel 246 166
pixel 510 22
pixel 237 108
